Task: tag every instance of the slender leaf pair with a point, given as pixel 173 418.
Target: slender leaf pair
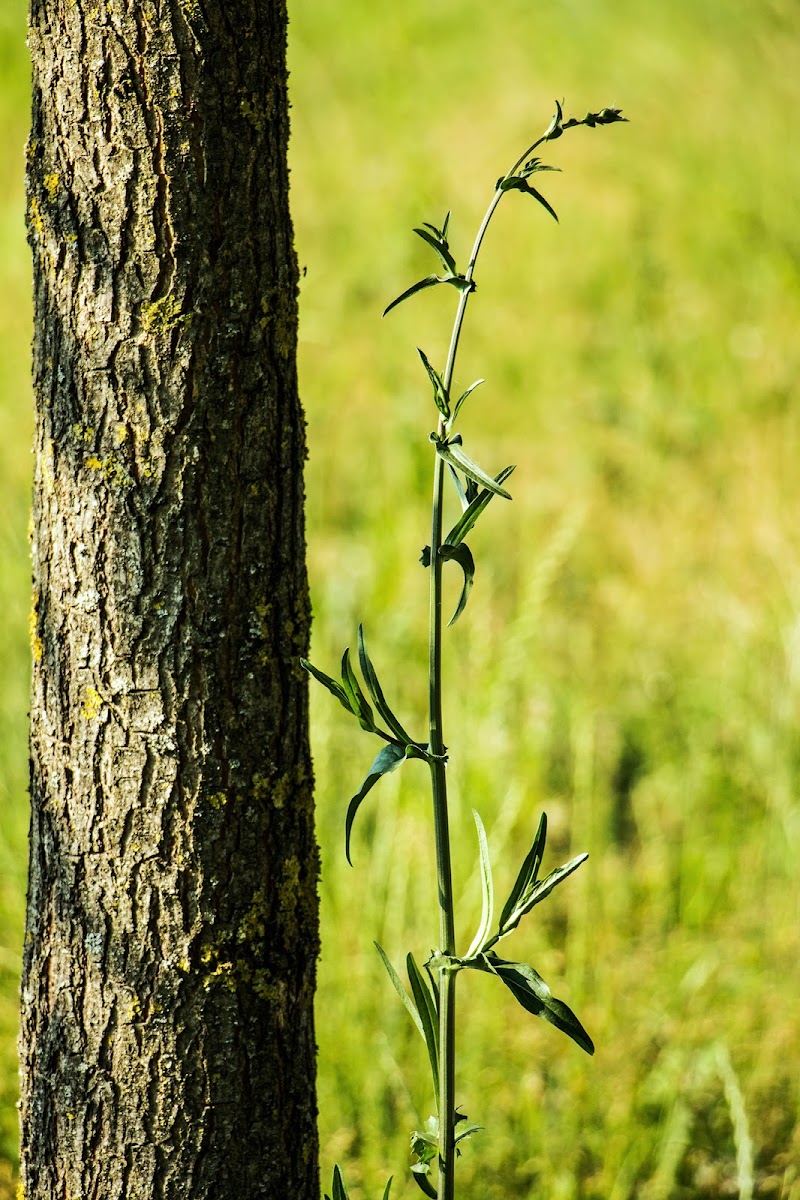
pixel 423 1009
pixel 526 985
pixel 437 240
pixel 526 893
pixel 400 745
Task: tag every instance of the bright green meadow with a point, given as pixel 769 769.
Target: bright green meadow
pixel 629 660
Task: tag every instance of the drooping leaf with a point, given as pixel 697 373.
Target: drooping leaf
pixel 487 889
pixel 428 281
pixel 464 395
pixel 385 761
pixel 527 877
pixel 420 1172
pixel 440 393
pixel 333 687
pixel 376 692
pixel 358 701
pixel 440 248
pixel 429 1016
pixel 453 454
pixel 397 984
pixel 531 991
pixel 463 556
pixel 519 183
pixel 474 509
pixel 544 203
pixel 457 281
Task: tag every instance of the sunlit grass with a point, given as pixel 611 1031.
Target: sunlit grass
pixel 630 658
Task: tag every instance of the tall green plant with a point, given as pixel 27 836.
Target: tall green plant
pixel 432 1001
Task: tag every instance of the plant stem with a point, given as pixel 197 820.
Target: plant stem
pixel 447 977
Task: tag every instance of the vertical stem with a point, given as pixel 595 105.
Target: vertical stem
pixel 447 940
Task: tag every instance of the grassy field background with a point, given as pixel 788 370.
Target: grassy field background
pixel 630 657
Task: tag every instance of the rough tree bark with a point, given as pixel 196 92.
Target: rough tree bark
pixel 167 1045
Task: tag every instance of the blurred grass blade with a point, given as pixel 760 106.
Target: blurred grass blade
pixel 527 877
pixel 357 699
pixel 385 761
pixel 428 1009
pixel 397 984
pixel 463 556
pixel 487 889
pixel 376 692
pixel 531 991
pixel 474 509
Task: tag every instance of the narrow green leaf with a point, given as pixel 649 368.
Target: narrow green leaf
pixel 339 1190
pixel 429 1015
pixel 428 281
pixel 534 165
pixel 474 509
pixel 459 282
pixel 388 1187
pixel 543 889
pixel 440 393
pixel 463 556
pixel 440 249
pixel 544 203
pixel 357 699
pixel 527 877
pixel 464 395
pixel 487 889
pixel 531 991
pixel 385 761
pixel 333 687
pixel 452 453
pixel 397 984
pixel 376 692
pixel 462 495
pixel 519 183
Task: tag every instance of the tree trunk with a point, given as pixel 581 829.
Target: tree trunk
pixel 167 1045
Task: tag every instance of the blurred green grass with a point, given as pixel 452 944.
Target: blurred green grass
pixel 630 657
